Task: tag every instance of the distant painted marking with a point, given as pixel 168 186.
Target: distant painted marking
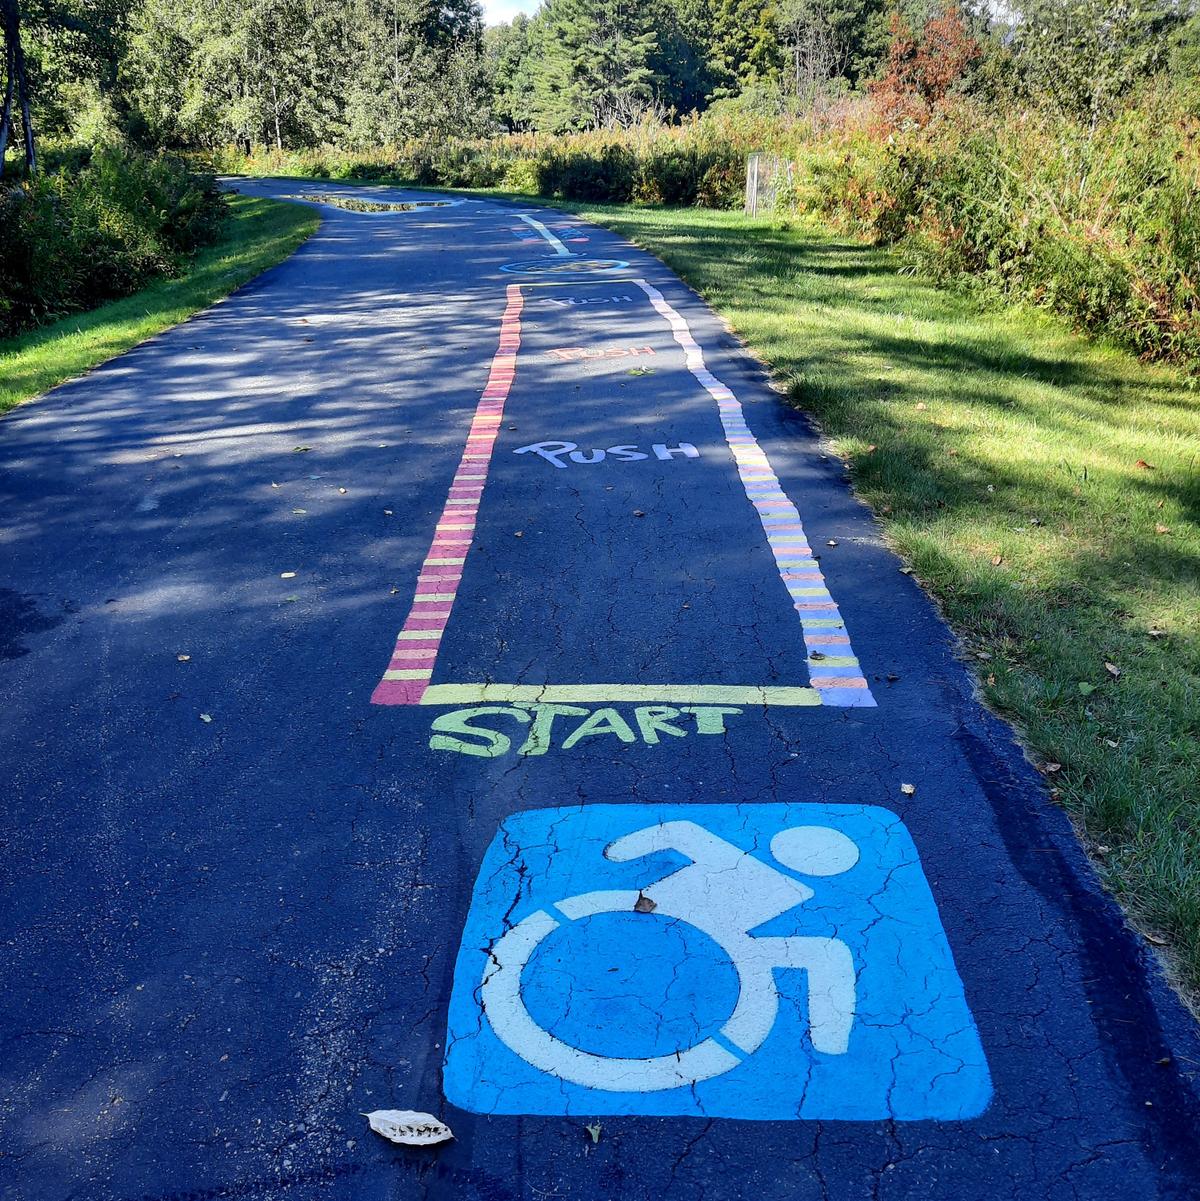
pixel 401 685
pixel 569 354
pixel 564 266
pixel 553 239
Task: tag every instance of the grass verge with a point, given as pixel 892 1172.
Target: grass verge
pixel 257 234
pixel 1044 488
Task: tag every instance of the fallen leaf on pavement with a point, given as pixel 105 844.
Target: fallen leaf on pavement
pixel 183 658
pixel 908 789
pixel 638 513
pixel 204 717
pixel 408 1127
pixel 594 1131
pixel 644 904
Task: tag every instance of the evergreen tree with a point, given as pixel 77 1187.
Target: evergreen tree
pixel 745 46
pixel 594 66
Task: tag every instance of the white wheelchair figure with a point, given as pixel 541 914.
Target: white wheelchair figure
pixel 725 893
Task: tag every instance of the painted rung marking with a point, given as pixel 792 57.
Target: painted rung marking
pixel 668 694
pixel 778 516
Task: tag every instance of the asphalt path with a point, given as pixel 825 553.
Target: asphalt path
pixel 444 676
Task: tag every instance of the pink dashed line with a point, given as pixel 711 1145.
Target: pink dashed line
pixel 420 637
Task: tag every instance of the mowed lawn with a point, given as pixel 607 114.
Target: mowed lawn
pixel 1046 490
pixel 256 235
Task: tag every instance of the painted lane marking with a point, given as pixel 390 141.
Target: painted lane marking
pixel 559 248
pixel 777 514
pixel 567 694
pixel 833 679
pixel 401 684
pixel 664 959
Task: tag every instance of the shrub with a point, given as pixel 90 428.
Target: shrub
pixel 83 234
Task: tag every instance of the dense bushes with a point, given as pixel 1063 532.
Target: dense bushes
pixel 96 227
pixel 1100 223
pixel 693 164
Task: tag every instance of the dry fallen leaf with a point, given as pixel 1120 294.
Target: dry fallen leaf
pixel 908 789
pixel 183 658
pixel 997 560
pixel 594 1131
pixel 1159 528
pixel 275 485
pixel 644 904
pixel 1145 466
pixel 906 571
pixel 1051 768
pixel 1113 670
pixel 1155 632
pixel 518 533
pixel 387 512
pixel 1157 940
pixel 204 717
pixel 409 1128
pixel 921 406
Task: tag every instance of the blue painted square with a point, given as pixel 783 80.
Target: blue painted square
pixel 743 961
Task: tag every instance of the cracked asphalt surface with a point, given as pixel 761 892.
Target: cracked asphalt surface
pixel 234 889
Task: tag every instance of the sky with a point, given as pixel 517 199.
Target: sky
pixel 505 10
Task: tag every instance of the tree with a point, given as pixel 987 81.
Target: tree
pixel 594 64
pixel 1085 55
pixel 745 45
pixel 510 53
pixel 920 71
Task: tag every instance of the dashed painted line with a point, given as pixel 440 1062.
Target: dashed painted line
pixel 834 673
pixel 833 669
pixel 408 675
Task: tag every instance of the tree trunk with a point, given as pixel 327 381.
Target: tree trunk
pixel 10 17
pixel 10 76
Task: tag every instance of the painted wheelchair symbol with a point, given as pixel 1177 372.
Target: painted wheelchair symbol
pixel 725 893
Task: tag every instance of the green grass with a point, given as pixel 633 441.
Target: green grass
pixel 1001 452
pixel 256 235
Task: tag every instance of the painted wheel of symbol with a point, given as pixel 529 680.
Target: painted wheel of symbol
pixel 565 265
pixel 500 994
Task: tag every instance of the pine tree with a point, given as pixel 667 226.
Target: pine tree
pixel 745 45
pixel 595 64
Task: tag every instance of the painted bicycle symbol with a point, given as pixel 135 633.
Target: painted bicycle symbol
pixel 725 893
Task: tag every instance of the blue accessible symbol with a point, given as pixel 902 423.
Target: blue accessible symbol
pixel 749 961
